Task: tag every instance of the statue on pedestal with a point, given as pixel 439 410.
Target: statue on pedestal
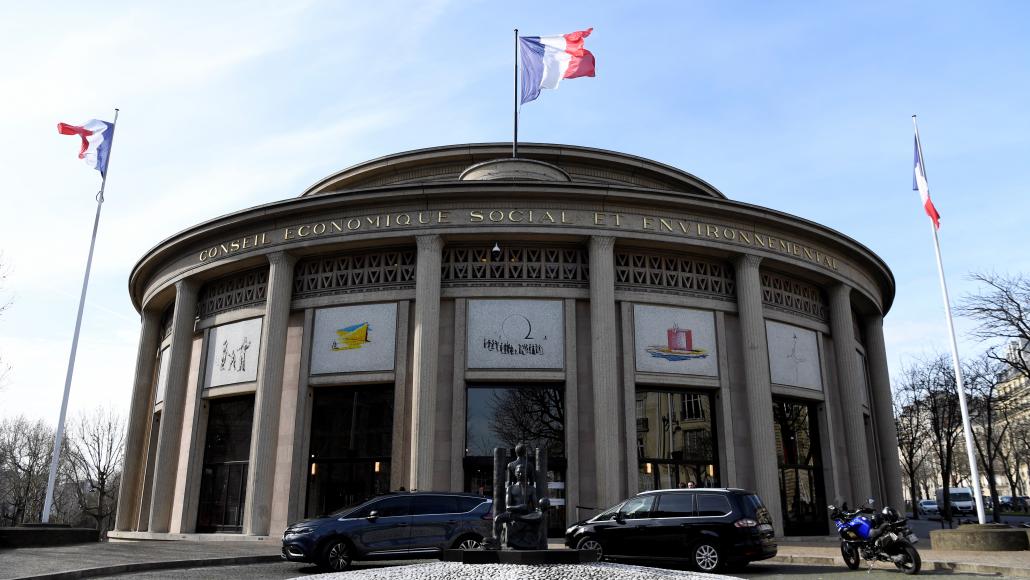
pixel 520 510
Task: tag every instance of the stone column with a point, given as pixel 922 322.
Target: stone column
pixel 166 461
pixel 141 410
pixel 604 362
pixel 265 431
pixel 883 407
pixel 759 385
pixel 425 359
pixel 851 383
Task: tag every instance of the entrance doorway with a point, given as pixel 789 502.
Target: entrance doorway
pixel 223 482
pixel 676 446
pixel 801 482
pixel 505 415
pixel 349 457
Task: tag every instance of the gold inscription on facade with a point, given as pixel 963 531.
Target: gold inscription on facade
pixel 653 224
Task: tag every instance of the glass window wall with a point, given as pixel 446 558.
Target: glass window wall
pixel 676 444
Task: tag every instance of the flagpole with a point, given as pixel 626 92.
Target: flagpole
pixel 966 427
pixel 515 138
pixel 59 436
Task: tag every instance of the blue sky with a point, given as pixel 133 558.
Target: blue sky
pixel 799 106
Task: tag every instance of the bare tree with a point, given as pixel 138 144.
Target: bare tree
pixel 94 462
pixel 988 406
pixel 1002 312
pixel 936 380
pixel 912 431
pixel 25 453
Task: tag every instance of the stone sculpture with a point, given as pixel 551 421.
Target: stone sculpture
pixel 520 500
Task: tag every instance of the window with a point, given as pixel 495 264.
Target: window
pixel 505 415
pixel 435 504
pixel 385 508
pixel 638 507
pixel 675 505
pixel 676 441
pixel 693 407
pixel 710 504
pixel 467 504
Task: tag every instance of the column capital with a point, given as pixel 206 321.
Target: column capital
pixel 186 287
pixel 841 291
pixel 429 243
pixel 873 322
pixel 282 259
pixel 602 243
pixel 747 261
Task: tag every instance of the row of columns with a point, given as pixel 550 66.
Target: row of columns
pixel 610 438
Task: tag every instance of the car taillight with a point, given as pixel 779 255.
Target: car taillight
pixel 745 523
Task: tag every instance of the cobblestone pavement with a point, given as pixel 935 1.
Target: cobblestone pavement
pixel 766 571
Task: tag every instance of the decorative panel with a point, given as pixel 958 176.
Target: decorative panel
pixel 232 353
pixel 675 274
pixel 675 340
pixel 792 295
pixel 355 272
pixel 354 338
pixel 793 356
pixel 515 265
pixel 516 334
pixel 233 292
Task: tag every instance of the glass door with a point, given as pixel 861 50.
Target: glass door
pixel 223 481
pixel 798 454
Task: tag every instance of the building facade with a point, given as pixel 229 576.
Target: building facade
pixel 393 324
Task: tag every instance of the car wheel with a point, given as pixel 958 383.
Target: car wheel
pixel 589 543
pixel 706 557
pixel 468 543
pixel 337 555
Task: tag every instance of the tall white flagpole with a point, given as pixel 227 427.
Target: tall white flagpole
pixel 59 436
pixel 966 426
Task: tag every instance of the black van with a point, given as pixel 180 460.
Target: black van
pixel 711 528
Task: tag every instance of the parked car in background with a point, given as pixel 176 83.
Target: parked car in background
pixel 1005 502
pixel 962 502
pixel 928 507
pixel 399 525
pixel 711 528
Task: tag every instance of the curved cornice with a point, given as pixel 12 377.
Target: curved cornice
pixel 281 212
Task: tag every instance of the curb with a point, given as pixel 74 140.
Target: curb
pixel 935 565
pixel 148 566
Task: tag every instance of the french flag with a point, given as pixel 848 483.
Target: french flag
pixel 919 183
pixel 546 60
pixel 96 138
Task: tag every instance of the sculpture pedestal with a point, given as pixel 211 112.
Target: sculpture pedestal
pixel 562 556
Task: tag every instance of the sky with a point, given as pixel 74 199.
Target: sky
pixel 804 107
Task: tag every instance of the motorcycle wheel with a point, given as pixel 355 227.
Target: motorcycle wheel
pixel 850 555
pixel 912 562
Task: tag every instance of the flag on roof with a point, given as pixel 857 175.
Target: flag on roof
pixel 546 60
pixel 96 138
pixel 919 183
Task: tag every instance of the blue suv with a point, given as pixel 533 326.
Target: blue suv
pixel 393 526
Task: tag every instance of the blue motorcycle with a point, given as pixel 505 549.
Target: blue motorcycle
pixel 872 536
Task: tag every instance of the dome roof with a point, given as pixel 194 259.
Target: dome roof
pixel 493 161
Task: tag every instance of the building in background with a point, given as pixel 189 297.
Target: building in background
pixel 397 321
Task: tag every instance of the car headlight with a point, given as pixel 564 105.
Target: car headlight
pixel 299 531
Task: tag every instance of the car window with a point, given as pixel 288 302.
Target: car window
pixel 710 504
pixel 435 504
pixel 469 503
pixel 608 514
pixel 637 507
pixel 675 505
pixel 387 507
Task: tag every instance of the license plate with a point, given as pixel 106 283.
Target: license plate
pixel 912 538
